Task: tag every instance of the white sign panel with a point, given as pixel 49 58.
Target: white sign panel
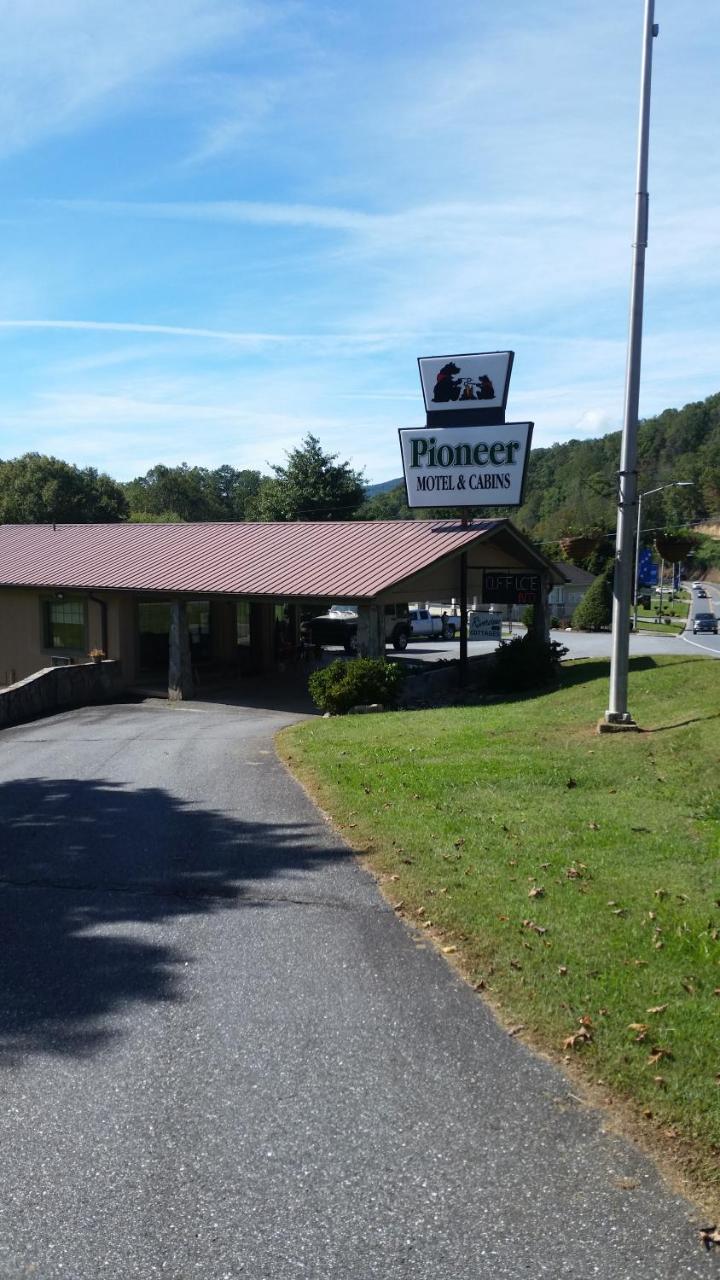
pixel 484 626
pixel 466 466
pixel 461 383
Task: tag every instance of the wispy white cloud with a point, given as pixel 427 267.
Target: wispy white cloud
pixel 166 330
pixel 233 212
pixel 62 64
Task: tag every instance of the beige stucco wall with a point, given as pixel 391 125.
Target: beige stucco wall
pixel 22 650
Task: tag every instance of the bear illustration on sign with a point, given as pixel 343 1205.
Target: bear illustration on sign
pixel 448 387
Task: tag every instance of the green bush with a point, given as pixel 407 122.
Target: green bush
pixel 528 617
pixel 343 685
pixel 526 662
pixel 595 611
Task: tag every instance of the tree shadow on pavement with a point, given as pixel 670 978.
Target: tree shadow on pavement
pixel 87 869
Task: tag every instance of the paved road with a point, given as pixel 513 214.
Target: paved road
pixel 707 644
pixel 223 1056
pixel 585 644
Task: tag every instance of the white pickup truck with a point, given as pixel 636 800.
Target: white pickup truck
pixel 425 623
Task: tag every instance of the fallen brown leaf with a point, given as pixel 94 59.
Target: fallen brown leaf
pixel 579 1038
pixel 709 1236
pixel 657 1008
pixel 537 891
pixel 658 1054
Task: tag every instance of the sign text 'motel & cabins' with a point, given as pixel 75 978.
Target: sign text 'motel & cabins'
pixel 466 455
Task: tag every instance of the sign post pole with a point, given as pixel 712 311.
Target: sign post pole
pixel 617 712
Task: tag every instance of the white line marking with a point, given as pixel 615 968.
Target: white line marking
pixel 695 644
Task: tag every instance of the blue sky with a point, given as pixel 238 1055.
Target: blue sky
pixel 226 223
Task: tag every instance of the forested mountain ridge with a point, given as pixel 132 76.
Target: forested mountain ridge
pixel 572 487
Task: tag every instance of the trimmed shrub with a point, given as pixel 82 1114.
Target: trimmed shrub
pixel 343 685
pixel 526 662
pixel 595 611
pixel 528 617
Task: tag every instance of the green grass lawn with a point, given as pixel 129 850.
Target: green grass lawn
pixel 576 877
pixel 652 627
pixel 675 609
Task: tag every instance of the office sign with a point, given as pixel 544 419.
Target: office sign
pixel 511 586
pixel 470 387
pixel 484 626
pixel 466 466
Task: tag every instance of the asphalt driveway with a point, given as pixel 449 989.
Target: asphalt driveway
pixel 223 1056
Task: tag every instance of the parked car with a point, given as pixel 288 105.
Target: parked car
pixel 705 622
pixel 339 626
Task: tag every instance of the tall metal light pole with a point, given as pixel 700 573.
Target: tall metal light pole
pixel 675 484
pixel 617 712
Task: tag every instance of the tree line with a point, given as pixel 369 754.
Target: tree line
pixel 571 487
pixel 313 485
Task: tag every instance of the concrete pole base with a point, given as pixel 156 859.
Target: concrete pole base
pixel 618 726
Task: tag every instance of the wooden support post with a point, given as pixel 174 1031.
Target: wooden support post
pixel 180 679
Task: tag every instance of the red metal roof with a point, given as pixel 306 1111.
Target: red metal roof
pixel 350 560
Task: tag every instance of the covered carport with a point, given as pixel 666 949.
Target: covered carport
pixel 109 571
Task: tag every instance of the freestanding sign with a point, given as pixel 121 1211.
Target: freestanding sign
pixel 484 626
pixel 470 388
pixel 462 466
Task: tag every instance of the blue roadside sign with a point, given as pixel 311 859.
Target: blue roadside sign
pixel 648 573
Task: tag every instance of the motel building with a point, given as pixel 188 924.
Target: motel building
pixel 168 601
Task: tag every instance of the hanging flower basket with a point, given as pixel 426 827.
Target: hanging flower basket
pixel 674 547
pixel 577 546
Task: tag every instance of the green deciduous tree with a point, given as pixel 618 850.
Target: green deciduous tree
pixel 389 505
pixel 36 489
pixel 311 486
pixel 193 493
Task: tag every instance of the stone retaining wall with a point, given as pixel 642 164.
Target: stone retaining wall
pixel 59 689
pixel 437 682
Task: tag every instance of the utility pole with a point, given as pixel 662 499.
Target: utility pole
pixel 617 712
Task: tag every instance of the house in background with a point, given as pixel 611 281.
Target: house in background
pixel 565 597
